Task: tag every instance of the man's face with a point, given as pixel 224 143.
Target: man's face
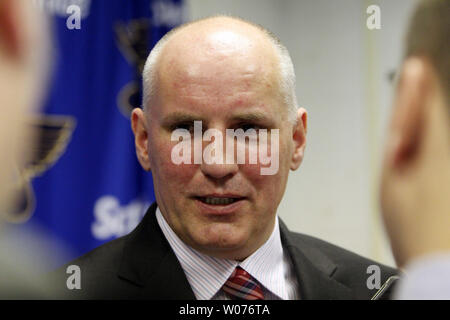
pixel 225 89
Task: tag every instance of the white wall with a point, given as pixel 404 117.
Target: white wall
pixel 342 80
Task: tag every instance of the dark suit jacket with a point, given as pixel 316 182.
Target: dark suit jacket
pixel 142 265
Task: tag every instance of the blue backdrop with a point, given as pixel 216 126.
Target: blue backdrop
pixel 88 187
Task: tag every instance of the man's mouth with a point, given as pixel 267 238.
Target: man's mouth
pixel 219 204
pixel 218 201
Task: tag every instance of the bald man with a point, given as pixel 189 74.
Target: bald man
pixel 220 130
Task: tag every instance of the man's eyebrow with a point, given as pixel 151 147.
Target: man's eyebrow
pixel 253 116
pixel 178 117
pixel 182 117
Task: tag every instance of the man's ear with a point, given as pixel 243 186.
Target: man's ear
pixel 408 119
pixel 10 35
pixel 140 129
pixel 299 138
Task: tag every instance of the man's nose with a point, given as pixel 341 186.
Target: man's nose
pixel 219 171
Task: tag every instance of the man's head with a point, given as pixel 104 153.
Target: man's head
pixel 229 74
pixel 285 66
pixel 416 173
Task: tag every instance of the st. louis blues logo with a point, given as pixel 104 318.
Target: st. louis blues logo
pixel 52 134
pixel 132 40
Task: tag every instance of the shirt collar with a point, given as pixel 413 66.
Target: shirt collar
pixel 207 274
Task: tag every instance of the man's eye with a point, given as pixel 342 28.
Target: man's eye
pixel 189 126
pixel 247 126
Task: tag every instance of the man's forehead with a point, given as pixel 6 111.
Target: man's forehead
pixel 219 29
pixel 218 67
pixel 253 97
pixel 217 58
pixel 216 40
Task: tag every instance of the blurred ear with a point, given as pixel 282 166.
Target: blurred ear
pixel 139 126
pixel 299 138
pixel 10 28
pixel 408 121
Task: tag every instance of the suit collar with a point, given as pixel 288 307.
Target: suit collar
pixel 314 270
pixel 149 262
pixel 264 267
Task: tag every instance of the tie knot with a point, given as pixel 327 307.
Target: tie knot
pixel 241 285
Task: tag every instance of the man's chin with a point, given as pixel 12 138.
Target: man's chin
pixel 223 246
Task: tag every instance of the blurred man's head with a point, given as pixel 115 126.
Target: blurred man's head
pixel 23 65
pixel 429 37
pixel 24 58
pixel 416 174
pixel 229 74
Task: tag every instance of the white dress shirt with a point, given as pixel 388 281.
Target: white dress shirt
pixel 270 265
pixel 426 278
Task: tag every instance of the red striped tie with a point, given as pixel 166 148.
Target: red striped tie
pixel 242 286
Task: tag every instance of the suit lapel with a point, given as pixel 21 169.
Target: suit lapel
pixel 313 269
pixel 149 262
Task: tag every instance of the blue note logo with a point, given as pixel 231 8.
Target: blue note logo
pixel 113 220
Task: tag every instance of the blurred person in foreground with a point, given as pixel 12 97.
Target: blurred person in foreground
pixel 23 68
pixel 415 188
pixel 213 232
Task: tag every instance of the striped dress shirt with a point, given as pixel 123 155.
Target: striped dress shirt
pixel 270 265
